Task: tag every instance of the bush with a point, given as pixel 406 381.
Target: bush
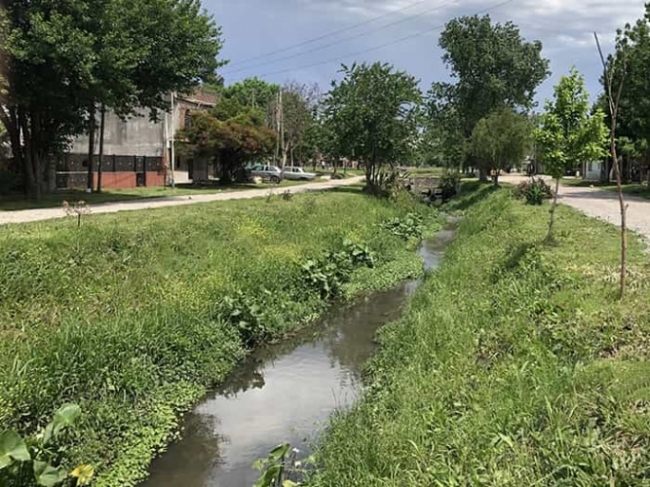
pixel 449 185
pixel 534 191
pixel 407 227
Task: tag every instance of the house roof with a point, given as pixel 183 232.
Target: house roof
pixel 199 97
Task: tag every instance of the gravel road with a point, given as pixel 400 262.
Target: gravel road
pixel 602 204
pixel 24 216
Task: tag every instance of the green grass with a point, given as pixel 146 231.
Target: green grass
pixel 640 190
pixel 515 365
pixel 19 202
pixel 132 316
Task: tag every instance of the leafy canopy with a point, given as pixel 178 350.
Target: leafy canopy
pixel 568 135
pixel 374 116
pixel 502 139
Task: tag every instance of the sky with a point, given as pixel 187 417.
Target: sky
pixel 272 39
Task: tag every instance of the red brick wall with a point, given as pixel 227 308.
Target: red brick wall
pixel 126 180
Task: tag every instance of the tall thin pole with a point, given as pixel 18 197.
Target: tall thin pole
pixel 101 148
pixel 91 148
pixel 173 136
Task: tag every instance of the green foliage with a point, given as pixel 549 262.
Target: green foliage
pixel 495 69
pixel 278 467
pixel 252 92
pixel 449 185
pixel 328 274
pixel 515 364
pixel 568 136
pixel 125 316
pixel 373 115
pixel 37 460
pixel 409 227
pixel 502 140
pixel 231 136
pixel 632 58
pixel 63 59
pixel 534 191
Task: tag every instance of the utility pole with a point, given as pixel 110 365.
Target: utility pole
pixel 278 102
pixel 282 142
pixel 173 136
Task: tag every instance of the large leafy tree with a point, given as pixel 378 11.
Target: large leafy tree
pixel 569 135
pixel 374 115
pixel 633 120
pixel 252 92
pixel 62 59
pixel 494 67
pixel 230 136
pixel 502 140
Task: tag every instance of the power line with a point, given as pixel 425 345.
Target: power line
pixel 402 39
pixel 345 39
pixel 330 34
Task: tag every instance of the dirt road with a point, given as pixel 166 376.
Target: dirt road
pixel 602 204
pixel 24 216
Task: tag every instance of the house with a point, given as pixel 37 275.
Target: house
pixel 137 151
pixel 592 171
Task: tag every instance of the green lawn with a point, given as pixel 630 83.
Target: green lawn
pixel 515 365
pixel 14 203
pixel 133 316
pixel 640 190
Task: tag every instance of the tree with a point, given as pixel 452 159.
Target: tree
pixel 502 140
pixel 633 113
pixel 295 115
pixel 614 94
pixel 252 92
pixel 444 128
pixel 568 135
pixel 231 136
pixel 494 68
pixel 374 115
pixel 62 59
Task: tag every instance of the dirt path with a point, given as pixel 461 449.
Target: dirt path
pixel 24 216
pixel 598 203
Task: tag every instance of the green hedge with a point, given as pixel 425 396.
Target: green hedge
pixel 125 315
pixel 515 365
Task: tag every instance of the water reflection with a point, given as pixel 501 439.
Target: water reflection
pixel 282 393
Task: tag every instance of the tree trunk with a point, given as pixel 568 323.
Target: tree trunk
pixel 101 148
pixel 482 175
pixel 623 208
pixel 549 236
pixel 91 149
pixel 30 170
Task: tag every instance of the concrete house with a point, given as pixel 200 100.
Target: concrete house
pixel 137 151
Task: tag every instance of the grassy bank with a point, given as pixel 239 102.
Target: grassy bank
pixel 514 365
pixel 133 316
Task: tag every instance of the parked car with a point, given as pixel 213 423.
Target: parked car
pixel 267 173
pixel 297 174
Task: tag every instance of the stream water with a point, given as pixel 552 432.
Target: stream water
pixel 283 392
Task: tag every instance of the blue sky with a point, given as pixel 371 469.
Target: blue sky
pixel 254 28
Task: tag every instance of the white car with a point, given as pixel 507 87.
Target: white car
pixel 297 174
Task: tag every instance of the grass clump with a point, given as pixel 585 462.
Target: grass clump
pixel 514 365
pixel 133 316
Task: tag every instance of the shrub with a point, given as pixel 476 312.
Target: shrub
pixel 534 191
pixel 407 227
pixel 449 185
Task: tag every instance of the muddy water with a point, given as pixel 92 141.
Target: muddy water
pixel 283 392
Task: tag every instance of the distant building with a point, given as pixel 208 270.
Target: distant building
pixel 137 151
